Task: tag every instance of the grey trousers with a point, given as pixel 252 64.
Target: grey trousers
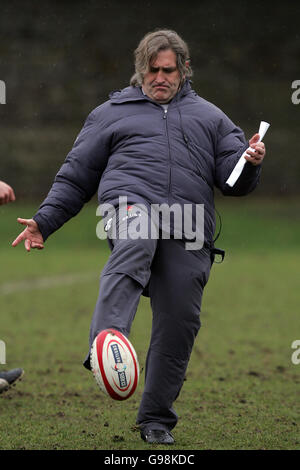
pixel 174 279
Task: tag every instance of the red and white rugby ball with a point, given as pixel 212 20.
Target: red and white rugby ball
pixel 114 364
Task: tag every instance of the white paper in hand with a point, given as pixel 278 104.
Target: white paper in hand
pixel 236 172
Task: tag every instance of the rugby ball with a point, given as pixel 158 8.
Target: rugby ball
pixel 114 364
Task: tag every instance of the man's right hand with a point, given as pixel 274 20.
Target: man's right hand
pixel 32 235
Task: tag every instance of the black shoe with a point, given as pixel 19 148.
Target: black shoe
pixel 157 436
pixel 9 378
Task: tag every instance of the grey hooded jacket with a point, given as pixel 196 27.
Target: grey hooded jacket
pixel 129 146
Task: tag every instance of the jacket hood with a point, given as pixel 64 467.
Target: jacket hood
pixel 134 93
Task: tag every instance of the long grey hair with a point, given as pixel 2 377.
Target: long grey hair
pixel 151 45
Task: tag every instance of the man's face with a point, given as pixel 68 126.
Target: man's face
pixel 162 81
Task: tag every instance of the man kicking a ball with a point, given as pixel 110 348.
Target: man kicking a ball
pixel 154 142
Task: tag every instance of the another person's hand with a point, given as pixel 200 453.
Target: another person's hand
pixel 6 193
pixel 32 235
pixel 259 151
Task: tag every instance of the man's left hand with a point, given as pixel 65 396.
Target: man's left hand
pixel 259 151
pixel 6 193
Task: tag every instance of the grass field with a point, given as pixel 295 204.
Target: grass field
pixel 242 390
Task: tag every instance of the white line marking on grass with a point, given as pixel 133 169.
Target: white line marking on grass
pixel 47 282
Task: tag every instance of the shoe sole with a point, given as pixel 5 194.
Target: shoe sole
pixel 156 442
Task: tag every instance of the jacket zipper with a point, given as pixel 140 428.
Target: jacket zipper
pixel 169 152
